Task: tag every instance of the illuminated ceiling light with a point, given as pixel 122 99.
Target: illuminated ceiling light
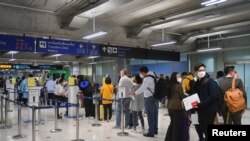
pixel 93 63
pixel 12 52
pixel 208 2
pixel 93 57
pixel 162 44
pixel 102 62
pixel 56 62
pixel 216 2
pixel 212 2
pixel 57 55
pixel 97 34
pixel 208 49
pixel 12 59
pixel 163 40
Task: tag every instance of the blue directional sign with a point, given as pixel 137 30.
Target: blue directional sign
pixel 16 43
pixel 67 47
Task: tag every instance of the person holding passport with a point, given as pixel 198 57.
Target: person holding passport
pixel 207 89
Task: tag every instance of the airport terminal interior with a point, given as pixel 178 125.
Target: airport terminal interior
pixel 74 70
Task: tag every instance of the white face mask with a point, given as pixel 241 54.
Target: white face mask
pixel 201 74
pixel 141 76
pixel 179 79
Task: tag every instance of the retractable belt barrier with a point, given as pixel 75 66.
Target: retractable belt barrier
pixel 34 108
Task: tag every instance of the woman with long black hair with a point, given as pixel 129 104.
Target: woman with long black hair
pixel 176 110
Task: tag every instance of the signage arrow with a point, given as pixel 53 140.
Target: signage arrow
pixel 104 49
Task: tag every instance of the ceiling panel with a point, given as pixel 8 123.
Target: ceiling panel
pixel 50 5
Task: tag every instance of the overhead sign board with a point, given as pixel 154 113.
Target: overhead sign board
pixel 122 52
pixel 5 66
pixel 28 66
pixel 138 53
pixel 67 47
pixel 16 43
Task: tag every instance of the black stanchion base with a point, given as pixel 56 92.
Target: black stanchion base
pixel 78 140
pixel 123 134
pixel 55 130
pixel 10 110
pixel 40 123
pixel 19 136
pixel 96 125
pixel 6 127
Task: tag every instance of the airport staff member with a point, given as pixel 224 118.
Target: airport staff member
pixel 24 90
pixel 59 96
pixel 50 88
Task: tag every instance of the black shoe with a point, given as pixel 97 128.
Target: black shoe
pixel 156 133
pixel 59 117
pixel 148 135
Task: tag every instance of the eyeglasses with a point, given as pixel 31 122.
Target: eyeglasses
pixel 201 70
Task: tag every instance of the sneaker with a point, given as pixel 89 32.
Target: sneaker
pixel 59 117
pixel 128 127
pixel 134 131
pixel 116 127
pixel 148 135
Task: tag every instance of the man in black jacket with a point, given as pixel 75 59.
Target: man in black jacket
pixel 206 89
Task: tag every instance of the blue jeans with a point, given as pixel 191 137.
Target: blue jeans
pixel 126 103
pixel 152 109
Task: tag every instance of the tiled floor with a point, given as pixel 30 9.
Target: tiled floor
pixel 87 131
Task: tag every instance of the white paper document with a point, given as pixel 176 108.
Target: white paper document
pixel 189 100
pixel 121 92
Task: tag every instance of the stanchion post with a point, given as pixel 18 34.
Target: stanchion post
pixel 6 124
pixel 166 101
pixel 96 124
pixel 19 134
pixel 122 133
pixel 115 104
pixel 1 110
pixel 39 122
pixel 8 97
pixel 77 120
pixel 33 123
pixel 55 130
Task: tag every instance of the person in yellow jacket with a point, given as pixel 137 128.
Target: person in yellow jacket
pixel 186 83
pixel 107 91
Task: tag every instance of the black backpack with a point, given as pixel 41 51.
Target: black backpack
pixel 160 91
pixel 86 87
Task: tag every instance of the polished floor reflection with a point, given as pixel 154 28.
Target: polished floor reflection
pixel 87 131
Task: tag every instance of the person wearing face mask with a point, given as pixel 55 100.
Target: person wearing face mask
pixel 151 104
pixel 226 84
pixel 176 111
pixel 60 96
pixel 207 90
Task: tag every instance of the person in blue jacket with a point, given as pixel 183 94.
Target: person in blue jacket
pixel 24 90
